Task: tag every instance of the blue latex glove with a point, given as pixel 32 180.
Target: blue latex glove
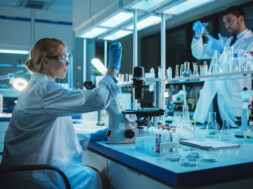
pixel 198 27
pixel 99 135
pixel 216 44
pixel 115 54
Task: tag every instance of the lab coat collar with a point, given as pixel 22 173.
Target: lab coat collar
pixel 40 75
pixel 241 34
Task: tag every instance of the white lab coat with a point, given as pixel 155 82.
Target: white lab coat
pixel 41 130
pixel 228 91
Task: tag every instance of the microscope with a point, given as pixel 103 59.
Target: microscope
pixel 142 116
pixel 124 125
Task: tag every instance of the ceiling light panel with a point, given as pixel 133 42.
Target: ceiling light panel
pixel 117 35
pixel 147 4
pixel 117 19
pixel 94 32
pixel 147 22
pixel 186 6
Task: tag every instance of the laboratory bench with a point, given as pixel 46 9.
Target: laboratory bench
pixel 128 168
pixel 5 116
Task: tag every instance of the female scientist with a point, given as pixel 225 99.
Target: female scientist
pixel 41 131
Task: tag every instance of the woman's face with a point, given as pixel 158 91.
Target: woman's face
pixel 58 64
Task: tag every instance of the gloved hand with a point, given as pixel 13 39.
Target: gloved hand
pixel 216 44
pixel 198 27
pixel 115 54
pixel 99 135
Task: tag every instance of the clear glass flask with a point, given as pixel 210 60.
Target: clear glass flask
pixel 187 72
pixel 226 133
pixel 211 128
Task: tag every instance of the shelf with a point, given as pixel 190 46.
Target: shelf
pixel 195 79
pixel 236 75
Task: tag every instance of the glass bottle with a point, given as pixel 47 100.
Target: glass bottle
pixel 215 67
pixel 227 59
pixel 169 73
pixel 177 71
pixel 234 67
pixel 152 72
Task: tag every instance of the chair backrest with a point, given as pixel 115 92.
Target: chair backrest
pixel 14 169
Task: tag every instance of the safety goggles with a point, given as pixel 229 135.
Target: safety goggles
pixel 63 59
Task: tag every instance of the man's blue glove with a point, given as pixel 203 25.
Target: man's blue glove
pixel 198 27
pixel 216 44
pixel 115 54
pixel 99 135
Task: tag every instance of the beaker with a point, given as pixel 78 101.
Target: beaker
pixel 211 128
pixel 226 133
pixel 204 68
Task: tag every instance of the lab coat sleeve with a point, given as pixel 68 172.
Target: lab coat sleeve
pixel 201 50
pixel 63 102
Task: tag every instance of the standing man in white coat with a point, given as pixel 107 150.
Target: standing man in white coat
pixel 224 93
pixel 41 131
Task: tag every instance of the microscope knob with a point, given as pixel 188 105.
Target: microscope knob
pixel 129 133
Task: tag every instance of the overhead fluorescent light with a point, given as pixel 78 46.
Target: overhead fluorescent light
pixel 117 35
pixel 147 5
pixel 94 32
pixel 9 51
pixel 117 19
pixel 149 21
pixel 99 66
pixel 186 6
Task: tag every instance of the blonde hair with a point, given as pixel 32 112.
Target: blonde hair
pixel 43 47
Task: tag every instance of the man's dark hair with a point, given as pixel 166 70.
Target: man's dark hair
pixel 235 10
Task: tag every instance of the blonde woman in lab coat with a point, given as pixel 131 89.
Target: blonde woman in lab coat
pixel 228 91
pixel 41 131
